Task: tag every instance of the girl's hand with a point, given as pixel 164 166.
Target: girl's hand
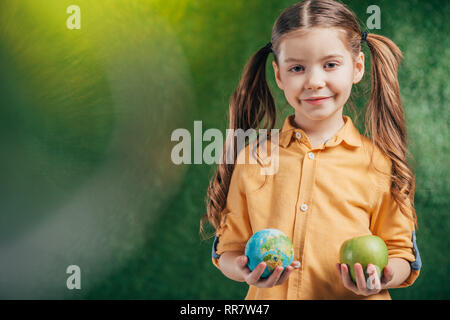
pixel 253 277
pixel 373 284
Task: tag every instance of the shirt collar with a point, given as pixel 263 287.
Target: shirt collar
pixel 348 133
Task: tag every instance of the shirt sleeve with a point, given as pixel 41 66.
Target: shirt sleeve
pixel 234 230
pixel 397 231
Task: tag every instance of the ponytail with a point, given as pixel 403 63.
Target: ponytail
pixel 386 121
pixel 249 104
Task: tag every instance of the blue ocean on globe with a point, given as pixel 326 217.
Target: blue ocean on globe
pixel 271 246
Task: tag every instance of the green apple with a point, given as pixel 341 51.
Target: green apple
pixel 364 250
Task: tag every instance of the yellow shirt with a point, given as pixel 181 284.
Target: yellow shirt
pixel 319 197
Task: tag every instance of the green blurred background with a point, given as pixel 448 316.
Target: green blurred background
pixel 86 120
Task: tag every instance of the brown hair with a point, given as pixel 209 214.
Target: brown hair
pixel 252 100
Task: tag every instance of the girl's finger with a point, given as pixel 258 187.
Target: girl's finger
pixel 388 275
pixel 373 280
pixel 242 265
pixel 285 274
pixel 255 275
pixel 360 279
pixel 338 268
pixel 273 278
pixel 348 283
pixel 242 261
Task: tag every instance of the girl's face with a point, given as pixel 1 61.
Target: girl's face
pixel 316 64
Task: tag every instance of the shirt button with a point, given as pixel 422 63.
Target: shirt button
pixel 311 155
pixel 304 207
pixel 298 135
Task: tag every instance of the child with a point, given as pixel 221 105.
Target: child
pixel 332 183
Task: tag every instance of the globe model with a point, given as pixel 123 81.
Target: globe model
pixel 270 246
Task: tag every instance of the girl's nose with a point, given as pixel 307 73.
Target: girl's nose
pixel 314 80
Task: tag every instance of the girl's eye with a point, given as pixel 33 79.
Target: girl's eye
pixel 335 64
pixel 296 68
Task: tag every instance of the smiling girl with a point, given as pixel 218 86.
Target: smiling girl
pixel 333 183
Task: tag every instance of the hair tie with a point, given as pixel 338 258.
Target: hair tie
pixel 268 47
pixel 363 36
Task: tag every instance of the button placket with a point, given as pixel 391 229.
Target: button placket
pixel 303 211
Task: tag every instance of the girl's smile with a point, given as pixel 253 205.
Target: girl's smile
pixel 317 100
